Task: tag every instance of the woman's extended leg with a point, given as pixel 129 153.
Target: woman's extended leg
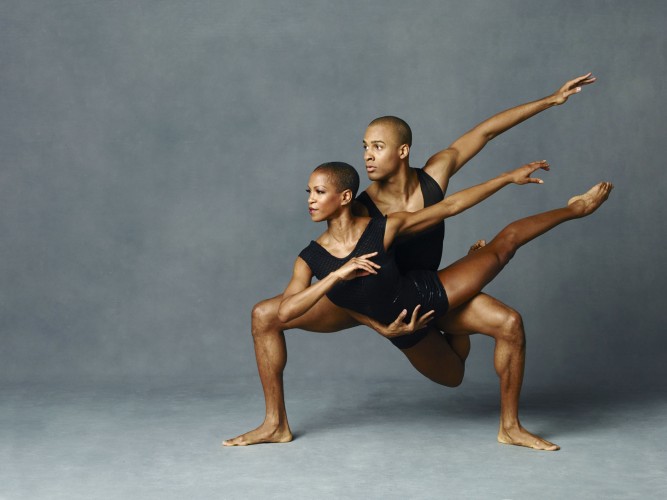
pixel 467 277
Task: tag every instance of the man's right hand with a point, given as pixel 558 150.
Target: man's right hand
pixel 572 87
pixel 398 328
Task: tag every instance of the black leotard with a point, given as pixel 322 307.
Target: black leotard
pixel 382 296
pixel 424 250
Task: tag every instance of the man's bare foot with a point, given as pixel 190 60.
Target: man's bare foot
pixel 590 201
pixel 519 436
pixel 263 434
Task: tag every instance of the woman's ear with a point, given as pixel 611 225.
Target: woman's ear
pixel 346 197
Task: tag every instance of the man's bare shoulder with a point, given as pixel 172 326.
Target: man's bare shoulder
pixel 441 166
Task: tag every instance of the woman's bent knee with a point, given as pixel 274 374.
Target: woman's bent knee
pixel 265 316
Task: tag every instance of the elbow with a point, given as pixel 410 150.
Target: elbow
pixel 452 208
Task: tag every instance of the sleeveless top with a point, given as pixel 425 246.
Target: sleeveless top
pixel 424 250
pixel 384 295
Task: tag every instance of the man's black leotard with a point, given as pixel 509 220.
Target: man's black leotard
pixel 384 295
pixel 424 250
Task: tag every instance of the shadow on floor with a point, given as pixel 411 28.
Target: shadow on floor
pixel 559 410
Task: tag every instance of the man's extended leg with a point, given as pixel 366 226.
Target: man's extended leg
pixel 271 357
pixel 464 279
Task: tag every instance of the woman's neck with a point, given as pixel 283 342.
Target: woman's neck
pixel 343 228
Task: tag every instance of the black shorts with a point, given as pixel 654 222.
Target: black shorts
pixel 420 288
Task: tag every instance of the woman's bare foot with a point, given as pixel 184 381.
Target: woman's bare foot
pixel 519 436
pixel 587 203
pixel 263 434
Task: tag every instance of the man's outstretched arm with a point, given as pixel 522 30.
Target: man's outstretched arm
pixel 441 166
pixel 398 327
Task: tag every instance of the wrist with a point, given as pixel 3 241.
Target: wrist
pixel 552 100
pixel 334 278
pixel 506 179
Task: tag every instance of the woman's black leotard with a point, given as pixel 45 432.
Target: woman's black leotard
pixel 382 296
pixel 424 250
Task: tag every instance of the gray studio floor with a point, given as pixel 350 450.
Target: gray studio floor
pixel 355 438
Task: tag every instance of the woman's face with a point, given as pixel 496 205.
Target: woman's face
pixel 323 198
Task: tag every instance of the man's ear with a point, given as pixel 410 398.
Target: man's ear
pixel 404 151
pixel 346 197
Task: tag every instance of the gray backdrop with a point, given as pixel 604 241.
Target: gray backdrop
pixel 154 156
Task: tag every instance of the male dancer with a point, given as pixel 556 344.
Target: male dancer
pixel 397 187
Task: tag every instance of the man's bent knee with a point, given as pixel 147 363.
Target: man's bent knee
pixel 512 328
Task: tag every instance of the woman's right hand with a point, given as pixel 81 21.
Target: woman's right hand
pixel 357 267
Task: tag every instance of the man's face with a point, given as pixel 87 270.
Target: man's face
pixel 381 152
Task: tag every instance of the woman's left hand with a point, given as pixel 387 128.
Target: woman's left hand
pixel 522 175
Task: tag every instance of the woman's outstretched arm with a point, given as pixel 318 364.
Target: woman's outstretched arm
pixel 300 295
pixel 407 223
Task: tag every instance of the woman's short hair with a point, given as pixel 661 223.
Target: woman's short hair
pixel 342 175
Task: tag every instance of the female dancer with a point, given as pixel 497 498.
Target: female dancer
pixel 353 261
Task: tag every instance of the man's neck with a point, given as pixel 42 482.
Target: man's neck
pixel 398 192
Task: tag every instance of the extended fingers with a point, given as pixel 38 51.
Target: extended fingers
pixel 365 265
pixel 413 319
pixel 524 173
pixel 365 260
pixel 574 86
pixel 420 321
pixel 543 164
pixel 586 79
pixel 580 80
pixel 399 318
pixel 427 317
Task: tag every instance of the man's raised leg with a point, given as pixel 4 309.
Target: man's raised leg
pixel 271 356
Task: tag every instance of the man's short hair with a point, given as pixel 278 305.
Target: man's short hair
pixel 342 175
pixel 400 127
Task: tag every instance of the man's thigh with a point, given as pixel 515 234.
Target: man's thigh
pixel 481 314
pixel 323 317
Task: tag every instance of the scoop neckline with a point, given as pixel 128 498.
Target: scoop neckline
pixel 355 246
